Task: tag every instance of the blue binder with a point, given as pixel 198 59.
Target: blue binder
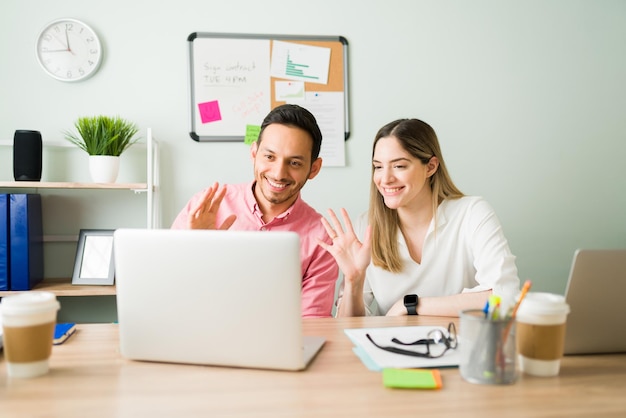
pixel 4 242
pixel 25 241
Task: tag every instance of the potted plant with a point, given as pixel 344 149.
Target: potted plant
pixel 104 138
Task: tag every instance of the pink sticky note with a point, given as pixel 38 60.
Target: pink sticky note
pixel 209 111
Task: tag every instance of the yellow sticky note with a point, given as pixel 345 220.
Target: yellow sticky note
pixel 412 378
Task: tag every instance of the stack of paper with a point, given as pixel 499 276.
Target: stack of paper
pixel 377 359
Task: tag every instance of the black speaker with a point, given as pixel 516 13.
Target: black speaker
pixel 27 155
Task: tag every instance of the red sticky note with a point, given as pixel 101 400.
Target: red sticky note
pixel 209 111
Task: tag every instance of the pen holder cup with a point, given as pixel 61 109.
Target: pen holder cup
pixel 487 348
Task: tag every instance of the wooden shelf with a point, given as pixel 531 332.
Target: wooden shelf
pixel 71 185
pixel 64 287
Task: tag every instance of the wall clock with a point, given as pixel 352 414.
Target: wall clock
pixel 69 50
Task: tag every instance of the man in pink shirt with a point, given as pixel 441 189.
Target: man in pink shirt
pixel 285 156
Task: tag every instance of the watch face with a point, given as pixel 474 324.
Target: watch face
pixel 410 299
pixel 69 50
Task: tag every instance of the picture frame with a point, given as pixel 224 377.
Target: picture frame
pixel 94 262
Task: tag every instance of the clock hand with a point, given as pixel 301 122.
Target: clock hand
pixel 67 40
pixel 60 41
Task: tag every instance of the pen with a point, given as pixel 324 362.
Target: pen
pixel 511 317
pixel 521 297
pixel 486 309
pixel 494 307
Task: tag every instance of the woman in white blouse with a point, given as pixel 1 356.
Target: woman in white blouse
pixel 423 247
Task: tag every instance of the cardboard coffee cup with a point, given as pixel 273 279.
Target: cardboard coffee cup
pixel 28 321
pixel 541 321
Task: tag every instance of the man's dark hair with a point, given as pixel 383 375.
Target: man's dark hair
pixel 299 117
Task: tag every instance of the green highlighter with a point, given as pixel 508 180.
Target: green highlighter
pixel 412 378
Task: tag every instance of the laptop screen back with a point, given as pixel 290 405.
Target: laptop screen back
pixel 595 293
pixel 229 298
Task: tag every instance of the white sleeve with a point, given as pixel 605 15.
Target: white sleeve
pixel 493 260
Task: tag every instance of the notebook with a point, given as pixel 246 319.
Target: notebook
pixel 223 298
pixel 596 292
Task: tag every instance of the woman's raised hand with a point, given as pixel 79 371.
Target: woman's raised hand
pixel 352 255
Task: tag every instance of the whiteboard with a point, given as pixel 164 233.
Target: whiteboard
pixel 236 79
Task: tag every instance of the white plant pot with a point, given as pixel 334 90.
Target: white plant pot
pixel 104 168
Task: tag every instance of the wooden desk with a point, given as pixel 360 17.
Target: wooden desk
pixel 89 378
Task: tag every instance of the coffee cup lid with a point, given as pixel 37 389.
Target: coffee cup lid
pixel 31 301
pixel 544 303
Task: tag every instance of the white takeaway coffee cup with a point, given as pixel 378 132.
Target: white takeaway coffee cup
pixel 541 320
pixel 28 321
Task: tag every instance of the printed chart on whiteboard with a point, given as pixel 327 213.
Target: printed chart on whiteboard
pixel 236 79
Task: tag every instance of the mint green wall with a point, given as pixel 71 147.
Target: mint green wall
pixel 528 99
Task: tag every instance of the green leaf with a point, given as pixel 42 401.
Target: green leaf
pixel 103 135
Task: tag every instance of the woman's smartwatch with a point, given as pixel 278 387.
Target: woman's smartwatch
pixel 411 302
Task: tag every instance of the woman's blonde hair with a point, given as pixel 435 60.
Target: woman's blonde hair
pixel 420 140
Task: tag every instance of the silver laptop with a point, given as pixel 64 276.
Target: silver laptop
pixel 224 298
pixel 595 293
